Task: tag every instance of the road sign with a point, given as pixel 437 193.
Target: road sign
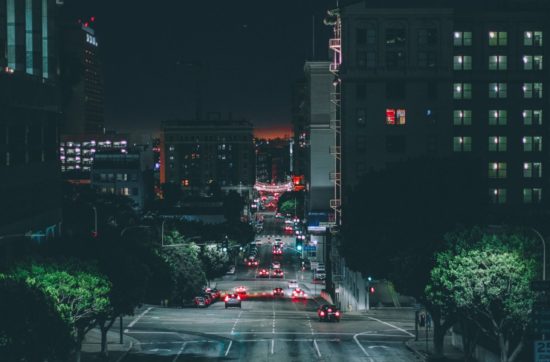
pixel 542 351
pixel 310 247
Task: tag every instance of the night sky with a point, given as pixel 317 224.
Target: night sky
pixel 251 51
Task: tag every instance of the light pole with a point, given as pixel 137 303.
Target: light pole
pixel 543 253
pixel 162 233
pixel 95 220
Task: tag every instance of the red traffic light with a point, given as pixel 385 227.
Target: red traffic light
pixel 371 289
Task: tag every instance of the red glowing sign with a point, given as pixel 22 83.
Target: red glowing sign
pixel 390 116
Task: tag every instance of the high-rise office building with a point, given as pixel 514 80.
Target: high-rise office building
pixel 82 78
pixel 29 117
pixel 443 78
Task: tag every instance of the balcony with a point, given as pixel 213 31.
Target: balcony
pixel 335 176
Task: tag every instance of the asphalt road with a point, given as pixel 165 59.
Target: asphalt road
pixel 268 329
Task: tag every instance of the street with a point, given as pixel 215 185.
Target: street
pixel 268 329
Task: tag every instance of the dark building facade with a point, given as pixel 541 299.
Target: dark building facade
pixel 273 160
pixel 82 78
pixel 195 153
pixel 29 119
pixel 441 79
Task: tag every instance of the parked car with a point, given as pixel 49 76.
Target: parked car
pixel 200 302
pixel 214 293
pixel 207 298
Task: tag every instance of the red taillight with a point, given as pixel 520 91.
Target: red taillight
pixel 321 313
pixel 238 297
pixel 226 298
pixel 330 310
pixel 337 314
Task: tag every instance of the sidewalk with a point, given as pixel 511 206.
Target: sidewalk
pixel 92 346
pixel 419 347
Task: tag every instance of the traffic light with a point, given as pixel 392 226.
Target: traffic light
pixel 371 290
pixel 299 244
pixel 225 243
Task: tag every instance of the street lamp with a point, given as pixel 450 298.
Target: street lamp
pixel 543 253
pixel 95 221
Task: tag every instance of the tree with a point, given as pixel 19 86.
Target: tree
pixel 31 328
pixel 173 237
pixel 79 293
pixel 291 203
pixel 185 270
pixel 214 260
pixel 487 281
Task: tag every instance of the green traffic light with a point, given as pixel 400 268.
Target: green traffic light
pixel 299 247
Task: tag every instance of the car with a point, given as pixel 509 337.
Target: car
pixel 277 273
pixel 252 262
pixel 292 284
pixel 207 298
pixel 232 300
pixel 278 241
pixel 276 265
pixel 299 294
pixel 214 292
pixel 328 312
pixel 263 273
pixel 278 292
pixel 200 302
pixel 241 291
pixel 277 251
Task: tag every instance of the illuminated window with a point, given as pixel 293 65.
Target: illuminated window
pixel 462 117
pixel 462 38
pixel 498 170
pixel 462 91
pixel 498 117
pixel 532 38
pixel 532 170
pixel 462 62
pixel 532 90
pixel 396 116
pixel 498 38
pixel 498 144
pixel 498 62
pixel 395 36
pixel 532 143
pixel 462 144
pixel 532 196
pixel 532 62
pixel 497 196
pixel 498 90
pixel 532 117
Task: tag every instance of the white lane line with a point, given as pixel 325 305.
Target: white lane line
pixel 277 333
pixel 317 348
pixel 393 326
pixel 272 346
pixel 228 348
pixel 139 317
pixel 236 321
pixel 361 346
pixel 180 352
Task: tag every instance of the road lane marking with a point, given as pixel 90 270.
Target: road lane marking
pixel 236 321
pixel 368 334
pixel 228 348
pixel 361 346
pixel 393 326
pixel 180 352
pixel 138 318
pixel 317 348
pixel 272 346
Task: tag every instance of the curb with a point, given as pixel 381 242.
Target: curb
pixel 126 353
pixel 418 354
